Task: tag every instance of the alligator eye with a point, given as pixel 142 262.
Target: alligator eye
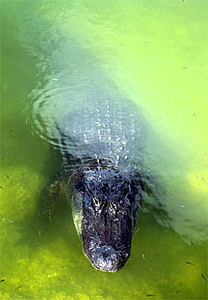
pixel 113 208
pixel 96 201
pixel 98 204
pixel 92 197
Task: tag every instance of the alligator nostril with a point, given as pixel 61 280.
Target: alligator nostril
pixel 106 258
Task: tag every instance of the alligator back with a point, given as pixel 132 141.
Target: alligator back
pixel 105 126
pixel 100 135
pixel 81 111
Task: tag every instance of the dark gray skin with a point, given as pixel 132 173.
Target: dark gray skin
pixel 103 152
pixel 109 211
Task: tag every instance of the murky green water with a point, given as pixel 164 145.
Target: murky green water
pixel 156 54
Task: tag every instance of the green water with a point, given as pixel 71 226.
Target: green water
pixel 156 54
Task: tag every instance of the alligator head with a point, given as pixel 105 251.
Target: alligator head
pixel 104 204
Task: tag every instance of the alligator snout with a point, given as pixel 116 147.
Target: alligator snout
pixel 106 259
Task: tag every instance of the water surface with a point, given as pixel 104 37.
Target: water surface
pixel 153 53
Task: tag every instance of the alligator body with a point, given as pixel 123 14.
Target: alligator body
pixel 100 135
pixel 101 143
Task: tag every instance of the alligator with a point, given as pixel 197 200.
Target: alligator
pixel 102 146
pixel 100 134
